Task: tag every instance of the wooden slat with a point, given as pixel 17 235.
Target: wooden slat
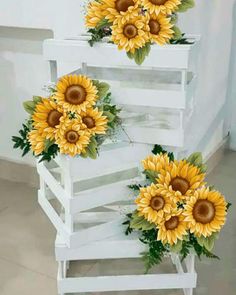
pixel 106 249
pixel 168 56
pixel 54 186
pixel 127 283
pixel 96 233
pixel 102 195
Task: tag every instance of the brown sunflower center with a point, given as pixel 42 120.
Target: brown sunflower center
pixel 75 94
pixel 158 2
pixel 72 136
pixel 154 27
pixel 204 211
pixel 157 203
pixel 172 223
pixel 53 118
pixel 180 184
pixel 123 5
pixel 130 31
pixel 89 122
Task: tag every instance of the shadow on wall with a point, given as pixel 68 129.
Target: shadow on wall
pixel 232 88
pixel 23 72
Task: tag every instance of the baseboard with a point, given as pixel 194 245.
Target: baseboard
pixel 213 159
pixel 23 173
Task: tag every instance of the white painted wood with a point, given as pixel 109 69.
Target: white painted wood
pixel 127 283
pixel 77 50
pixel 101 196
pixel 168 137
pixel 54 218
pixel 116 247
pixel 53 185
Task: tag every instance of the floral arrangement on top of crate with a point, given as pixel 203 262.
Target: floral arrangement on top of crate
pixel 75 119
pixel 133 25
pixel 176 210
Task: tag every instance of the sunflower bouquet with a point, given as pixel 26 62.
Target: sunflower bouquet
pixel 75 119
pixel 133 25
pixel 176 210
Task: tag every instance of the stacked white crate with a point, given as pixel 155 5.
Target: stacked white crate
pixel 157 99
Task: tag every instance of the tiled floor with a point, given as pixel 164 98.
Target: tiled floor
pixel 27 265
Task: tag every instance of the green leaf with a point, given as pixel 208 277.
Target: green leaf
pixel 195 159
pixel 176 248
pixel 91 150
pixel 228 206
pixel 37 99
pixel 140 223
pixel 130 55
pixel 185 5
pixel 177 33
pixel 174 18
pixel 109 116
pixel 141 53
pixel 208 242
pixel 29 106
pixel 102 88
pixel 151 175
pixel 48 143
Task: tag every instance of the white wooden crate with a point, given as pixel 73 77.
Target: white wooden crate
pixel 105 54
pixel 81 185
pixel 122 248
pixel 166 80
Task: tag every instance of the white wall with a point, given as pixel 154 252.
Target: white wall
pixel 23 71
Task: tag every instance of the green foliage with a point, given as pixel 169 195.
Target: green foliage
pixel 50 153
pixel 197 160
pixel 185 5
pixel 91 149
pixel 48 143
pixel 102 88
pixel 181 41
pixel 29 106
pixel 156 250
pixel 193 243
pixel 140 223
pixel 157 149
pixel 102 30
pixel 177 33
pixel 135 187
pixel 228 206
pixel 37 99
pixel 151 175
pixel 176 248
pixel 21 141
pixel 207 243
pixel 140 54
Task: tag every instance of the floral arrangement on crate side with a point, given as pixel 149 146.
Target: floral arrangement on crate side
pixel 75 119
pixel 133 25
pixel 176 210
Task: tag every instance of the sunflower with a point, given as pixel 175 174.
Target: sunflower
pixel 153 204
pixel 75 93
pixel 71 139
pixel 95 13
pixel 156 162
pixel 94 121
pixel 37 141
pixel 114 8
pixel 161 6
pixel 180 179
pixel 160 29
pixel 205 212
pixel 46 117
pixel 130 32
pixel 172 228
